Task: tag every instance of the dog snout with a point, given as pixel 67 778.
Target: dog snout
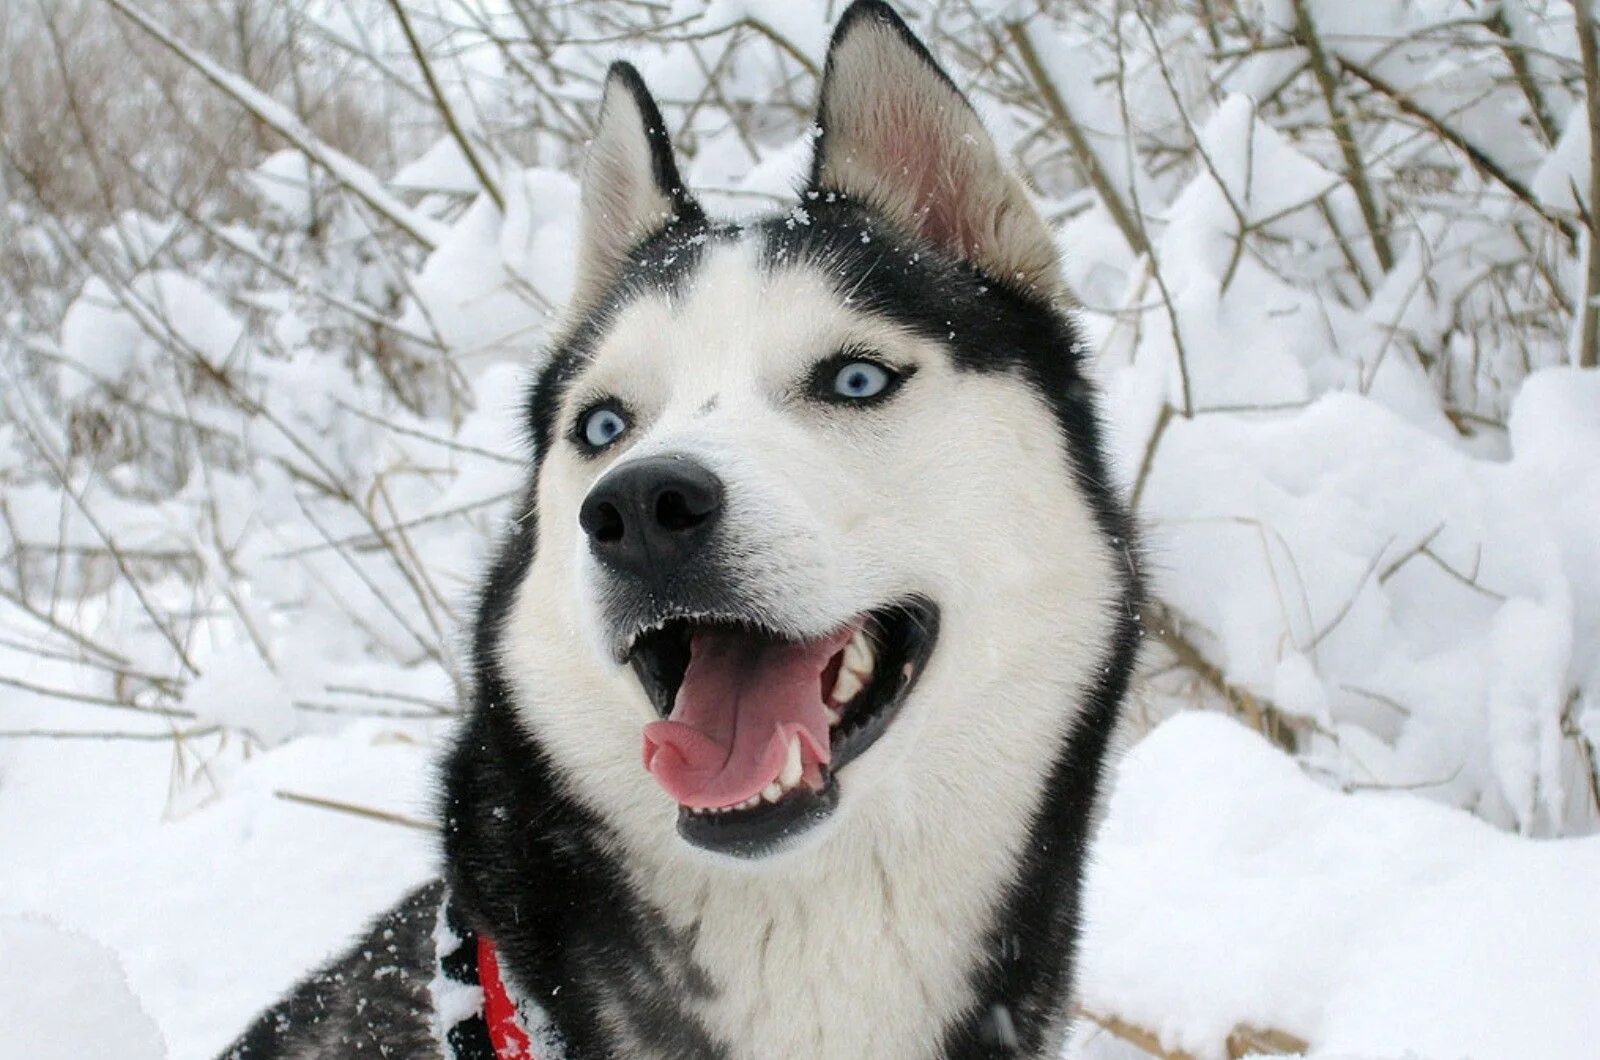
pixel 648 516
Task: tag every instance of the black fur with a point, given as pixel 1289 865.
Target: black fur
pixel 541 875
pixel 372 1002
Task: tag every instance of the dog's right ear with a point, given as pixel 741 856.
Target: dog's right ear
pixel 630 187
pixel 898 135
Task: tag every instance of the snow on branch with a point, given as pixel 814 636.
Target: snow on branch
pixel 350 174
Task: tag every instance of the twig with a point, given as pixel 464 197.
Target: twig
pixel 490 185
pixel 353 176
pixel 1517 59
pixel 356 810
pixel 58 467
pixel 1570 728
pixel 1355 169
pixel 1145 463
pixel 115 659
pixel 92 700
pixel 1083 153
pixel 1588 351
pixel 1477 156
pixel 1244 1040
pixel 1265 717
pixel 152 737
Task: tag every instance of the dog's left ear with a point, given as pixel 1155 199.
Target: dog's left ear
pixel 630 188
pixel 898 135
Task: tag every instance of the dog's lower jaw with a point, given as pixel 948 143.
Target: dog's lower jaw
pixel 878 937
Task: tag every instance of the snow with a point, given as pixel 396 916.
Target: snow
pixel 236 688
pixel 353 175
pixel 284 182
pixel 282 882
pixel 442 167
pixel 1227 888
pixel 97 338
pixel 1370 497
pixel 64 997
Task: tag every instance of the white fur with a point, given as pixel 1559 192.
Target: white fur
pixel 858 942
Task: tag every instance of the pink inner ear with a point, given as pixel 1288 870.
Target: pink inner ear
pixel 915 154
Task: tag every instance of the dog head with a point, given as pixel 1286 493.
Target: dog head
pixel 818 514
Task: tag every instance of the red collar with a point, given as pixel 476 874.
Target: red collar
pixel 510 1041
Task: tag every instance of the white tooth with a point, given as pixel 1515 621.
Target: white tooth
pixel 751 803
pixel 834 717
pixel 772 793
pixel 791 765
pixel 846 685
pixel 858 654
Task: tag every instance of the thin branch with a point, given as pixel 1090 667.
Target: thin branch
pixel 1522 74
pixel 1083 154
pixel 491 186
pixel 152 737
pixel 1305 32
pixel 1244 1040
pixel 1588 351
pixel 353 176
pixel 89 699
pixel 356 810
pixel 1266 717
pixel 1480 160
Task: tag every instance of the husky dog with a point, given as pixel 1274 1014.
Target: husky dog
pixel 796 673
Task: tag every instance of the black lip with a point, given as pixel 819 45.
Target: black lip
pixel 764 830
pixel 906 631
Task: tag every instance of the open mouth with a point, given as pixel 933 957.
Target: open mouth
pixel 757 726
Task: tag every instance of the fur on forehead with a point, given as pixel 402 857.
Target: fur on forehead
pixel 745 303
pixel 867 265
pixel 899 136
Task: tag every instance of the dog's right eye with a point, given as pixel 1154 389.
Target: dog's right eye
pixel 600 426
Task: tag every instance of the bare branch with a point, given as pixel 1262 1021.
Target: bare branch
pixel 491 186
pixel 1344 133
pixel 1588 351
pixel 1083 154
pixel 349 173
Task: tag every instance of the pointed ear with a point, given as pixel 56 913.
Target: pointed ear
pixel 898 135
pixel 630 187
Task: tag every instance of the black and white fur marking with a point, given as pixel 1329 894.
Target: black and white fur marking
pixel 935 912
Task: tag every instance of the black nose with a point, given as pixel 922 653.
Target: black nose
pixel 648 515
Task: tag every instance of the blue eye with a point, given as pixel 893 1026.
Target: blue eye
pixel 857 380
pixel 603 426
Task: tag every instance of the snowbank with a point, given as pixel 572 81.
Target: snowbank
pixel 64 997
pixel 1229 889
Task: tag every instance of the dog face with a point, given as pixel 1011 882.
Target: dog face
pixel 818 519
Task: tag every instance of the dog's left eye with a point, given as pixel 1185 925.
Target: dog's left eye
pixel 850 378
pixel 861 379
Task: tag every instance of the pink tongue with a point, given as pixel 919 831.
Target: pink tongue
pixel 740 702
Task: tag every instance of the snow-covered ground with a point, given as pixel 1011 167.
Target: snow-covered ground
pixel 253 452
pixel 1227 890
